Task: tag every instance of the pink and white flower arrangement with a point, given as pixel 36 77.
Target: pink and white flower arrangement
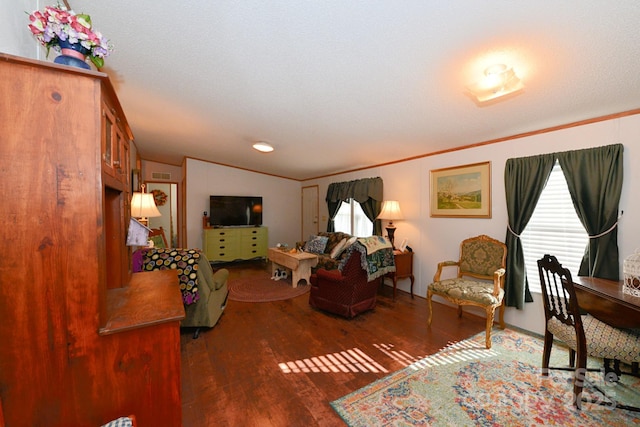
pixel 56 24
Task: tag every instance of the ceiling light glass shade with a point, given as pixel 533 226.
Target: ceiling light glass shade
pixel 263 147
pixel 498 81
pixel 390 211
pixel 144 206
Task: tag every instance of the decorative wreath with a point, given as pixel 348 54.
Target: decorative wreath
pixel 160 197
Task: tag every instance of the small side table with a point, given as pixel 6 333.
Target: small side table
pixel 404 269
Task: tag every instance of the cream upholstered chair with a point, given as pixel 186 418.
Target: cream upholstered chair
pixel 583 334
pixel 479 282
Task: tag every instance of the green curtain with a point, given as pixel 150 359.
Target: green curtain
pixel 594 178
pixel 367 191
pixel 333 207
pixel 372 209
pixel 524 180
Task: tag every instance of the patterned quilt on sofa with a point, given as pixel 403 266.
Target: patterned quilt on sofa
pixel 377 256
pixel 183 260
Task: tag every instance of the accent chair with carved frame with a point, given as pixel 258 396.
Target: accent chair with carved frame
pixel 479 281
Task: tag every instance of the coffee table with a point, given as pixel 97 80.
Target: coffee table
pixel 299 263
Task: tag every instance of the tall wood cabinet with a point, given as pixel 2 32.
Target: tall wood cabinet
pixel 83 340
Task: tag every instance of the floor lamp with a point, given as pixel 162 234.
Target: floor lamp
pixel 391 212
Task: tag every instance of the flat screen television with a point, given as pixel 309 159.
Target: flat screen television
pixel 227 211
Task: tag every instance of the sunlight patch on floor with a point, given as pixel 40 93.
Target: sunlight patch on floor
pixel 399 356
pixel 352 360
pixel 355 360
pixel 453 353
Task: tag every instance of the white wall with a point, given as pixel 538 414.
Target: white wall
pixel 149 167
pixel 437 239
pixel 15 37
pixel 280 198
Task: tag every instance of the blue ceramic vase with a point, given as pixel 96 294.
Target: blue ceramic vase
pixel 72 54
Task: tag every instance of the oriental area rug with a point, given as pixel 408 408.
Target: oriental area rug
pixel 261 288
pixel 467 385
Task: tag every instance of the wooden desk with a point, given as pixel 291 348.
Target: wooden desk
pixel 605 301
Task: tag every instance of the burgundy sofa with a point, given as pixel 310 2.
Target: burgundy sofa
pixel 346 293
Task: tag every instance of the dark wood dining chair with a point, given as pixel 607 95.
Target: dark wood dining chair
pixel 583 334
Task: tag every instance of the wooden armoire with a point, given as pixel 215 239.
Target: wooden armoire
pixel 82 339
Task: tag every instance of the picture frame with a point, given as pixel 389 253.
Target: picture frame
pixel 461 191
pixel 403 245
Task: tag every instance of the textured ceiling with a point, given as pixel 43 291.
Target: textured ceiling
pixel 336 85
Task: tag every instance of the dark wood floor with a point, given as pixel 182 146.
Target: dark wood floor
pixel 273 364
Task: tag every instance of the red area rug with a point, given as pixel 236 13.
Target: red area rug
pixel 263 289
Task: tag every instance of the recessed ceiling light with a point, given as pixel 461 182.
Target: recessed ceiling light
pixel 264 147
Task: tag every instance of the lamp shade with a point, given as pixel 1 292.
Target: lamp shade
pixel 390 211
pixel 143 206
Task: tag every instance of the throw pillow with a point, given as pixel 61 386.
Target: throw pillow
pixel 338 248
pixel 351 241
pixel 316 244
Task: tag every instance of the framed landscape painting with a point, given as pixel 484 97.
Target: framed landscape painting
pixel 461 191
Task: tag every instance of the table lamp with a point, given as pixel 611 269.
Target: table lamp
pixel 143 206
pixel 391 212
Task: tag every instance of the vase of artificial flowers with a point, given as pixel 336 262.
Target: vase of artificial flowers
pixel 70 34
pixel 73 54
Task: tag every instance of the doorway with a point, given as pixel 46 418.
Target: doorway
pixel 166 196
pixel 310 223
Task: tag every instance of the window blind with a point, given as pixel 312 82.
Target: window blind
pixel 351 219
pixel 554 229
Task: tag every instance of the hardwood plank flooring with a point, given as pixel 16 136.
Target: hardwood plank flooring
pixel 281 363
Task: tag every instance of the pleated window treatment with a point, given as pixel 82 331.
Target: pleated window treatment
pixel 367 191
pixel 594 178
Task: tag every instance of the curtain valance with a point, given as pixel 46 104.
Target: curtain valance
pixel 359 190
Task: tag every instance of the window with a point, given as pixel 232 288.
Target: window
pixel 352 220
pixel 554 229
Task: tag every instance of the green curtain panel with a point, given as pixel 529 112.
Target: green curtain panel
pixel 524 180
pixel 333 208
pixel 594 178
pixel 372 209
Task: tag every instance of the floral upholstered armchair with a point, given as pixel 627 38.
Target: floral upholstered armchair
pixel 479 282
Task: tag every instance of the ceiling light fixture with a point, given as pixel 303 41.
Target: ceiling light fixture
pixel 499 80
pixel 264 147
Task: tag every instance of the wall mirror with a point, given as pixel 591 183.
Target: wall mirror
pixel 166 197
